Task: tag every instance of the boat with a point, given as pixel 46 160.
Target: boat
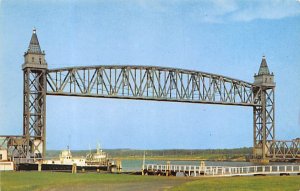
pixel 98 158
pixel 98 161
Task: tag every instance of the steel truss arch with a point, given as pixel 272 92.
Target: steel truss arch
pixel 149 83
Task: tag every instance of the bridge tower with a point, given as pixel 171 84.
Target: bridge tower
pixel 34 108
pixel 263 114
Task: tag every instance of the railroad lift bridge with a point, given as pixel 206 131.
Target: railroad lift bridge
pixel 143 83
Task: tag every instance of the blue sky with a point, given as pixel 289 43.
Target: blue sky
pixel 227 38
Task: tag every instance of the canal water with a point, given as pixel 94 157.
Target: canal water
pixel 136 165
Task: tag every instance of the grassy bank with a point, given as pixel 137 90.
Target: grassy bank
pixel 19 181
pixel 242 183
pixel 24 181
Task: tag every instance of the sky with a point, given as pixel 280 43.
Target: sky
pixel 222 37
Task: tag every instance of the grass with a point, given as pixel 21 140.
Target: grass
pixel 261 183
pixel 11 181
pixel 46 180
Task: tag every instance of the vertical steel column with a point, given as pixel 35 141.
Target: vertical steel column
pixel 270 120
pixel 34 117
pixel 257 124
pixel 264 122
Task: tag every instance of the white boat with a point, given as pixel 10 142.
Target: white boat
pixel 99 158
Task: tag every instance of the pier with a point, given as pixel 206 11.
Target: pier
pixel 196 171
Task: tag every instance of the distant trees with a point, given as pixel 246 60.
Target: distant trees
pixel 223 153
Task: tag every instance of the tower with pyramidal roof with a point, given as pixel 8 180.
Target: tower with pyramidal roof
pixel 34 56
pixel 264 77
pixel 263 111
pixel 34 94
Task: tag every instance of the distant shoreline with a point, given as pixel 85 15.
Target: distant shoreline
pixel 180 159
pixel 229 155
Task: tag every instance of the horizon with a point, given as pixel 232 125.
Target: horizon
pixel 150 149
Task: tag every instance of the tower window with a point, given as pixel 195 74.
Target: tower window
pixel 40 60
pixel 32 59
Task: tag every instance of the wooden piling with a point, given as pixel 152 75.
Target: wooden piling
pixel 74 168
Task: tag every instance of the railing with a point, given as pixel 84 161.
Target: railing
pixel 190 170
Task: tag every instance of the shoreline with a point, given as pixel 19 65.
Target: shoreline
pixel 181 159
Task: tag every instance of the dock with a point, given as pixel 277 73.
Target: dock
pixel 196 171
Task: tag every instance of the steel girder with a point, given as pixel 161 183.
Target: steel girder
pixel 149 83
pixel 34 127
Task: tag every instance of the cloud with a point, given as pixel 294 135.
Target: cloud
pixel 275 9
pixel 214 11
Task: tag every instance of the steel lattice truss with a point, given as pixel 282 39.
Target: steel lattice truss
pixel 149 83
pixel 285 149
pixel 15 145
